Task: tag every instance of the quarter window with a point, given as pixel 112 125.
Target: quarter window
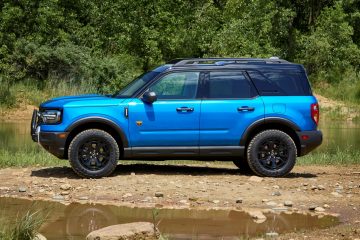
pixel 179 85
pixel 231 85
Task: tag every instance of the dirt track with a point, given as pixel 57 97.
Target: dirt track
pixel 335 189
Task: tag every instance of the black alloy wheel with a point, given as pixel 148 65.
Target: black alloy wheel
pixel 93 153
pixel 271 153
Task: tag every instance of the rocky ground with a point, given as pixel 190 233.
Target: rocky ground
pixel 329 189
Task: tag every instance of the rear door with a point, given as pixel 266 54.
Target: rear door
pixel 230 104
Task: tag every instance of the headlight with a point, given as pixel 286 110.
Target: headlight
pixel 50 116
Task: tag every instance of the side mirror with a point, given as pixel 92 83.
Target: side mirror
pixel 149 97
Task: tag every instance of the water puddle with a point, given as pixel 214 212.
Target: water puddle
pixel 75 221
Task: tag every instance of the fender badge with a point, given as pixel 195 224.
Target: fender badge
pixel 139 123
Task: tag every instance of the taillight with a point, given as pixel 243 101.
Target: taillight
pixel 315 113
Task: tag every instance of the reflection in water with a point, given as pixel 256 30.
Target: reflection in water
pixel 75 221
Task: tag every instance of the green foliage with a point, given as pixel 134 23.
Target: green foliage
pixel 105 44
pixel 7 99
pixel 329 47
pixel 252 29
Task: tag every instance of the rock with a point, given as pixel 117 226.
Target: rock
pixel 276 193
pixel 193 199
pixel 4 189
pixel 22 189
pixel 126 195
pixel 239 200
pixel 130 231
pixel 265 200
pixel 183 201
pixel 321 187
pixel 65 187
pixel 280 209
pixel 313 187
pixel 132 174
pixel 255 179
pixel 276 187
pixel 216 201
pixel 288 203
pixel 312 207
pixel 58 198
pixel 258 216
pixel 39 236
pixel 271 235
pixel 326 206
pixel 336 194
pixel 159 194
pixel 83 198
pixel 64 193
pixel 271 204
pixel 319 209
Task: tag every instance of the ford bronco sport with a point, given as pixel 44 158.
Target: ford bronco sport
pixel 259 113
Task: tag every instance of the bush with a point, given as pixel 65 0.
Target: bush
pixel 7 99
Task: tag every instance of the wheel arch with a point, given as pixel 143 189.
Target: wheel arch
pixel 281 124
pixel 96 123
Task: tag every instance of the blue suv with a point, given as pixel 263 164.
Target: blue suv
pixel 259 113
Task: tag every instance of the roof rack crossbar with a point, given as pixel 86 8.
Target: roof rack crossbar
pixel 194 61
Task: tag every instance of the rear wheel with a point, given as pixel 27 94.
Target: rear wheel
pixel 93 153
pixel 271 153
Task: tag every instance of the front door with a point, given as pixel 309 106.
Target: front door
pixel 171 122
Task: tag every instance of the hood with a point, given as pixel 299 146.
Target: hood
pixel 81 101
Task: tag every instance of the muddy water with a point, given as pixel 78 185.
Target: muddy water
pixel 75 221
pixel 15 136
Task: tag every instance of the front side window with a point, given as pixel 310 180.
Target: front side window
pixel 179 85
pixel 231 85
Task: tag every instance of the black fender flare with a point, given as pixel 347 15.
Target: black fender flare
pixel 100 120
pixel 264 121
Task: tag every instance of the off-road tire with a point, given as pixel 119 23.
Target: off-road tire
pixel 270 135
pixel 79 140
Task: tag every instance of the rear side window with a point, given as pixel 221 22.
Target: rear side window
pixel 231 85
pixel 280 83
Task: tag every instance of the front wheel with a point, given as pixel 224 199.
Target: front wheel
pixel 93 153
pixel 271 153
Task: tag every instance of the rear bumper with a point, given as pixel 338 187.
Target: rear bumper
pixel 309 143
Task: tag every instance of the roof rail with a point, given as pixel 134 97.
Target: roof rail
pixel 224 61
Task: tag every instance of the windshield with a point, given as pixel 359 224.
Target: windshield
pixel 135 85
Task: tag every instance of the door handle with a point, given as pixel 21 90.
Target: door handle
pixel 184 109
pixel 245 109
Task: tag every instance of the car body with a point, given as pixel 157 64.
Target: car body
pixel 190 109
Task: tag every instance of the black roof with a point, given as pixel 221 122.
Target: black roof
pixel 240 63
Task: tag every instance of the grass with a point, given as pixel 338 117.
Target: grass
pixel 12 96
pixel 339 156
pixel 343 86
pixel 40 158
pixel 25 228
pixel 28 157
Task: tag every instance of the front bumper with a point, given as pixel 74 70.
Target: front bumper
pixel 312 140
pixel 53 142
